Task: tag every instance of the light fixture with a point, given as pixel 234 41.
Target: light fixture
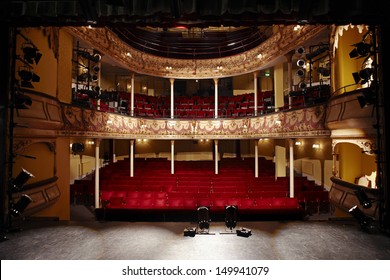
pixel 364 200
pixel 203 219
pixel 22 101
pixel 301 63
pixel 77 148
pixel 368 98
pixel 92 57
pixel 363 76
pixel 318 49
pixel 302 85
pixel 231 216
pixel 300 50
pixel 31 54
pixel 361 50
pixel 316 146
pixel 364 220
pixel 17 183
pixel 17 209
pixel 27 76
pixel 298 143
pixel 323 71
pixel 300 73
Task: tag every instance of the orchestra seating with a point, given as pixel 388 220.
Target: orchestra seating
pixel 153 189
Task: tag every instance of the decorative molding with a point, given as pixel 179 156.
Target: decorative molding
pixel 368 145
pixel 284 40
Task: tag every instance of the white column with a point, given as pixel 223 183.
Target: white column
pixel 255 74
pixel 172 156
pixel 172 81
pixel 132 96
pixel 256 158
pixel 97 166
pixel 113 151
pixel 216 155
pixel 132 158
pixel 291 144
pixel 216 98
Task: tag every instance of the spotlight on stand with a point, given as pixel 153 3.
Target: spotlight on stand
pixel 231 217
pixel 203 219
pixel 92 57
pixel 17 183
pixel 18 208
pixel 31 54
pixel 364 221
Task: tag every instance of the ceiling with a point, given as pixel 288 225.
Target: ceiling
pixel 190 13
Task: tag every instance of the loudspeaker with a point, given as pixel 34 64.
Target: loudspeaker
pixel 77 148
pixel 190 231
pixel 245 232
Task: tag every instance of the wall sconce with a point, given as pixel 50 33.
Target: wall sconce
pixel 316 146
pixel 298 143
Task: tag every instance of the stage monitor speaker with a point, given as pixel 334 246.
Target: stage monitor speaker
pixel 245 232
pixel 190 231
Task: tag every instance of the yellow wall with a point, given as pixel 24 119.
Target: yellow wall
pixel 344 65
pixel 45 39
pixel 354 163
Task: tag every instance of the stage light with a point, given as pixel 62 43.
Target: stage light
pixel 368 98
pixel 22 101
pixel 301 63
pixel 361 50
pixel 300 50
pixel 203 219
pixel 83 77
pixel 92 57
pixel 364 221
pixel 300 73
pixel 27 77
pixel 17 209
pixel 324 71
pixel 302 85
pixel 17 183
pixel 77 148
pixel 31 54
pixel 319 50
pixel 231 216
pixel 364 200
pixel 363 76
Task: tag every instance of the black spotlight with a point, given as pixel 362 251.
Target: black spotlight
pixel 364 200
pixel 92 57
pixel 22 101
pixel 301 63
pixel 300 73
pixel 31 54
pixel 17 183
pixel 368 98
pixel 203 219
pixel 361 50
pixel 231 216
pixel 363 76
pixel 364 221
pixel 18 208
pixel 77 148
pixel 27 77
pixel 323 71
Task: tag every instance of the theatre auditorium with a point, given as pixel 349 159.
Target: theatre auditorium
pixel 194 129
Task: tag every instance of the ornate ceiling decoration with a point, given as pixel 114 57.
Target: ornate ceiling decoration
pixel 285 39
